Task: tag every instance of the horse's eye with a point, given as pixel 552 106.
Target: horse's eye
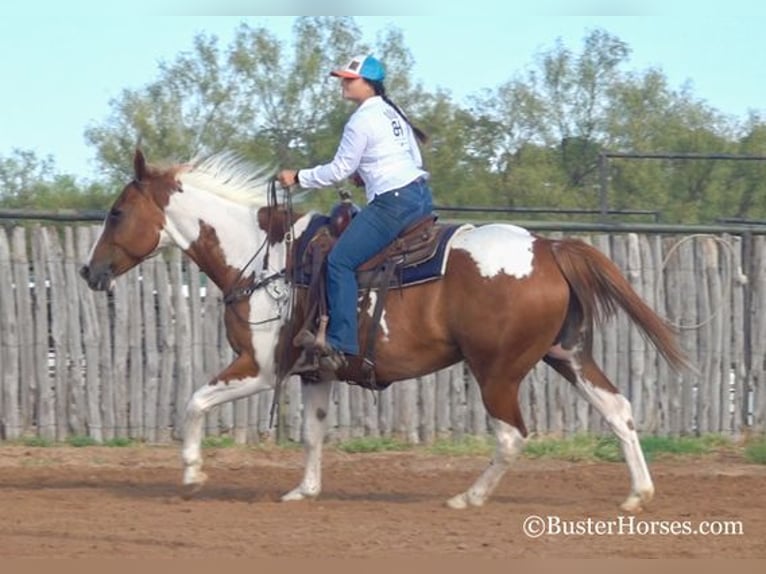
pixel 115 213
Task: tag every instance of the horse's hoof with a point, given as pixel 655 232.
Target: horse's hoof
pixel 189 489
pixel 637 500
pixel 297 495
pixel 458 502
pixel 634 503
pixel 631 506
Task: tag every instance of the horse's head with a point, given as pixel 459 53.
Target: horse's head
pixel 133 227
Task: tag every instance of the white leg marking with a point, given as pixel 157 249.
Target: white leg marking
pixel 616 409
pixel 509 444
pixel 316 401
pixel 200 402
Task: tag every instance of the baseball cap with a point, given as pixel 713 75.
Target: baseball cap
pixel 366 67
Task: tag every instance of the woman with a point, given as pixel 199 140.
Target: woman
pixel 379 146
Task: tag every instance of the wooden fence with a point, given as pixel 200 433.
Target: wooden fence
pixel 79 363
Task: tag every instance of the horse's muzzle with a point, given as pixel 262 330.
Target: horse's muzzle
pixel 97 279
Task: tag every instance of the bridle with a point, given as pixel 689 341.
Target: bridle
pixel 237 293
pixel 243 288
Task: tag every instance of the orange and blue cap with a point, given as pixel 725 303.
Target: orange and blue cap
pixel 366 67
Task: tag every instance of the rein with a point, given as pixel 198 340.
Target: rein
pixel 243 292
pixel 239 292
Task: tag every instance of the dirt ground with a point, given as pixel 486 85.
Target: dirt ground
pixel 123 502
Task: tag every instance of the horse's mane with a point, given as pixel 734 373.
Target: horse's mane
pixel 227 174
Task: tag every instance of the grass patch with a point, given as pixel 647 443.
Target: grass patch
pixel 79 441
pixel 372 444
pixel 755 451
pixel 684 445
pixel 119 442
pixel 225 441
pixel 607 448
pixel 466 446
pixel 36 441
pixel 286 444
pixel 577 448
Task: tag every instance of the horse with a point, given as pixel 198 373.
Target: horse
pixel 508 299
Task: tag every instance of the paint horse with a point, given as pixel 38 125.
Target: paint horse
pixel 508 299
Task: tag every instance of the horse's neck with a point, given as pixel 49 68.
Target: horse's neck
pixel 220 236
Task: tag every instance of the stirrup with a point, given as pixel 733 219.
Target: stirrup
pixel 308 362
pixel 332 360
pixel 305 339
pixel 310 342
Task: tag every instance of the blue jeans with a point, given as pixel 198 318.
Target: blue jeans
pixel 370 231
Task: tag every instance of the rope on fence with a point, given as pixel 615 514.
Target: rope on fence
pixel 741 278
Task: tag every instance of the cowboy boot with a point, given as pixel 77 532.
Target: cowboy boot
pixel 331 359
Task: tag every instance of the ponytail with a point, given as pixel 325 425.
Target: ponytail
pixel 380 90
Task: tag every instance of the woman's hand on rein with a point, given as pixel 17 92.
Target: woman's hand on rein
pixel 288 177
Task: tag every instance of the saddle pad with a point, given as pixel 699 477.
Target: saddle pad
pixel 303 272
pixel 428 270
pixel 434 267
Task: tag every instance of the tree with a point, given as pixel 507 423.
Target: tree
pixel 535 140
pixel 270 102
pixel 21 173
pixel 249 97
pixel 30 182
pixel 745 189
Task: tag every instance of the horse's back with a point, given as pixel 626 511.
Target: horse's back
pixel 498 249
pixel 505 288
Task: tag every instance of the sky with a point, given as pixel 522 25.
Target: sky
pixel 61 63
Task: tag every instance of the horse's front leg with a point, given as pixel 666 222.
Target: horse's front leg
pixel 236 381
pixel 316 401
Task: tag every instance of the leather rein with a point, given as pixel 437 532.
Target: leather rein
pixel 243 288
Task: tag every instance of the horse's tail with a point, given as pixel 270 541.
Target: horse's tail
pixel 601 288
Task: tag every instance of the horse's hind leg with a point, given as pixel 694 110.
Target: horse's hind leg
pixel 581 370
pixel 509 434
pixel 316 401
pixel 218 391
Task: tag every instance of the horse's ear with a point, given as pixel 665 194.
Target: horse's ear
pixel 139 165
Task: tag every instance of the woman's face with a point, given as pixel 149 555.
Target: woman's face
pixel 356 89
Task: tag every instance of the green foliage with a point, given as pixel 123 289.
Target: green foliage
pixel 755 451
pixel 585 447
pixel 225 441
pixel 80 441
pixel 468 445
pixel 36 441
pixel 608 449
pixel 533 141
pixel 119 442
pixel 580 447
pixel 372 444
pixel 27 181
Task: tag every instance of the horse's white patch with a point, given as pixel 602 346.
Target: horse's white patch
pixel 498 248
pixel 371 311
pixel 559 352
pixel 616 409
pixel 301 225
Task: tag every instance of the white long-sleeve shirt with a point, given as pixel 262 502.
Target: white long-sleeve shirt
pixel 377 144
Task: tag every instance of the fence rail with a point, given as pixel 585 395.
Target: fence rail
pixel 79 363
